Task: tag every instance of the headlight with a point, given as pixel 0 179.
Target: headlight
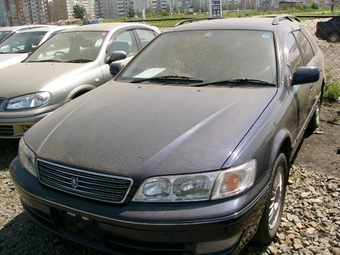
pixel 27 157
pixel 176 188
pixel 28 101
pixel 198 187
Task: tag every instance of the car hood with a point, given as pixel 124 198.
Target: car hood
pixel 11 59
pixel 144 130
pixel 24 78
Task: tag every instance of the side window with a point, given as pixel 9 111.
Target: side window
pixel 294 55
pixel 54 33
pixel 306 48
pixel 124 41
pixel 310 38
pixel 145 36
pixel 336 20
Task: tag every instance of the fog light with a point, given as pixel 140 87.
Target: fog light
pixel 217 246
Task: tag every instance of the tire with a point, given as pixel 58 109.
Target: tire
pixel 333 37
pixel 271 218
pixel 315 120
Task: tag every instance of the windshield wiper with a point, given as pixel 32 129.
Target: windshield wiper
pixel 171 78
pixel 79 61
pixel 235 82
pixel 12 52
pixel 46 60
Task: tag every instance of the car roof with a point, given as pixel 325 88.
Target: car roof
pixel 14 28
pixel 106 26
pixel 44 29
pixel 249 23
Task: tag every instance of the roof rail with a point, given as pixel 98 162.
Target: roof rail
pixel 277 19
pixel 195 19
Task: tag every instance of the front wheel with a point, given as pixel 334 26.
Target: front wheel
pixel 271 218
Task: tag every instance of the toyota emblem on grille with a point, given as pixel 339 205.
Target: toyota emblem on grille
pixel 74 182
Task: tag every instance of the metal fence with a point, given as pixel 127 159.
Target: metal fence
pixel 331 51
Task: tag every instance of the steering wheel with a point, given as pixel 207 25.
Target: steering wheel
pixel 59 52
pixel 15 48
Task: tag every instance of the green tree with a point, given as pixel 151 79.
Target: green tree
pixel 79 11
pixel 131 12
pixel 314 6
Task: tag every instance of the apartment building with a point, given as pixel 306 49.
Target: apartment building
pixel 63 9
pixel 24 12
pixel 111 9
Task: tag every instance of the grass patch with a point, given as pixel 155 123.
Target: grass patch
pixel 332 87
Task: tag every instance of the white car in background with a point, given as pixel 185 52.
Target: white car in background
pixel 69 64
pixel 6 32
pixel 17 47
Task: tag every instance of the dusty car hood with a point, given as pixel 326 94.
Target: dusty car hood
pixel 24 78
pixel 11 59
pixel 141 130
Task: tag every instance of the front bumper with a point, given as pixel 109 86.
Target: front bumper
pixel 190 228
pixel 13 124
pixel 15 128
pixel 321 35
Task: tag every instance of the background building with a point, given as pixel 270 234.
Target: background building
pixel 63 9
pixel 24 12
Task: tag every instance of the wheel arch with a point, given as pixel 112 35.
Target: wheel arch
pixel 79 90
pixel 282 144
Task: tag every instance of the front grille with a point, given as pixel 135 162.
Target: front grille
pixel 6 131
pixel 96 186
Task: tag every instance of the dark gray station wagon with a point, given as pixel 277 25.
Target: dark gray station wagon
pixel 188 150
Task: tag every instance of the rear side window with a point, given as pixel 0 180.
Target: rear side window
pixel 294 55
pixel 145 36
pixel 306 48
pixel 311 39
pixel 336 20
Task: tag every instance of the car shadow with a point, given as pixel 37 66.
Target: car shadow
pixel 21 235
pixel 8 151
pixel 307 134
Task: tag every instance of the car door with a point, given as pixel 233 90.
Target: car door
pixel 309 59
pixel 130 41
pixel 121 41
pixel 300 94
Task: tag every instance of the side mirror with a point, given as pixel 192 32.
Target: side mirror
pixel 115 68
pixel 116 55
pixel 306 74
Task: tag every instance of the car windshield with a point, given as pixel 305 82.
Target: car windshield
pixel 4 33
pixel 70 47
pixel 214 57
pixel 22 42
